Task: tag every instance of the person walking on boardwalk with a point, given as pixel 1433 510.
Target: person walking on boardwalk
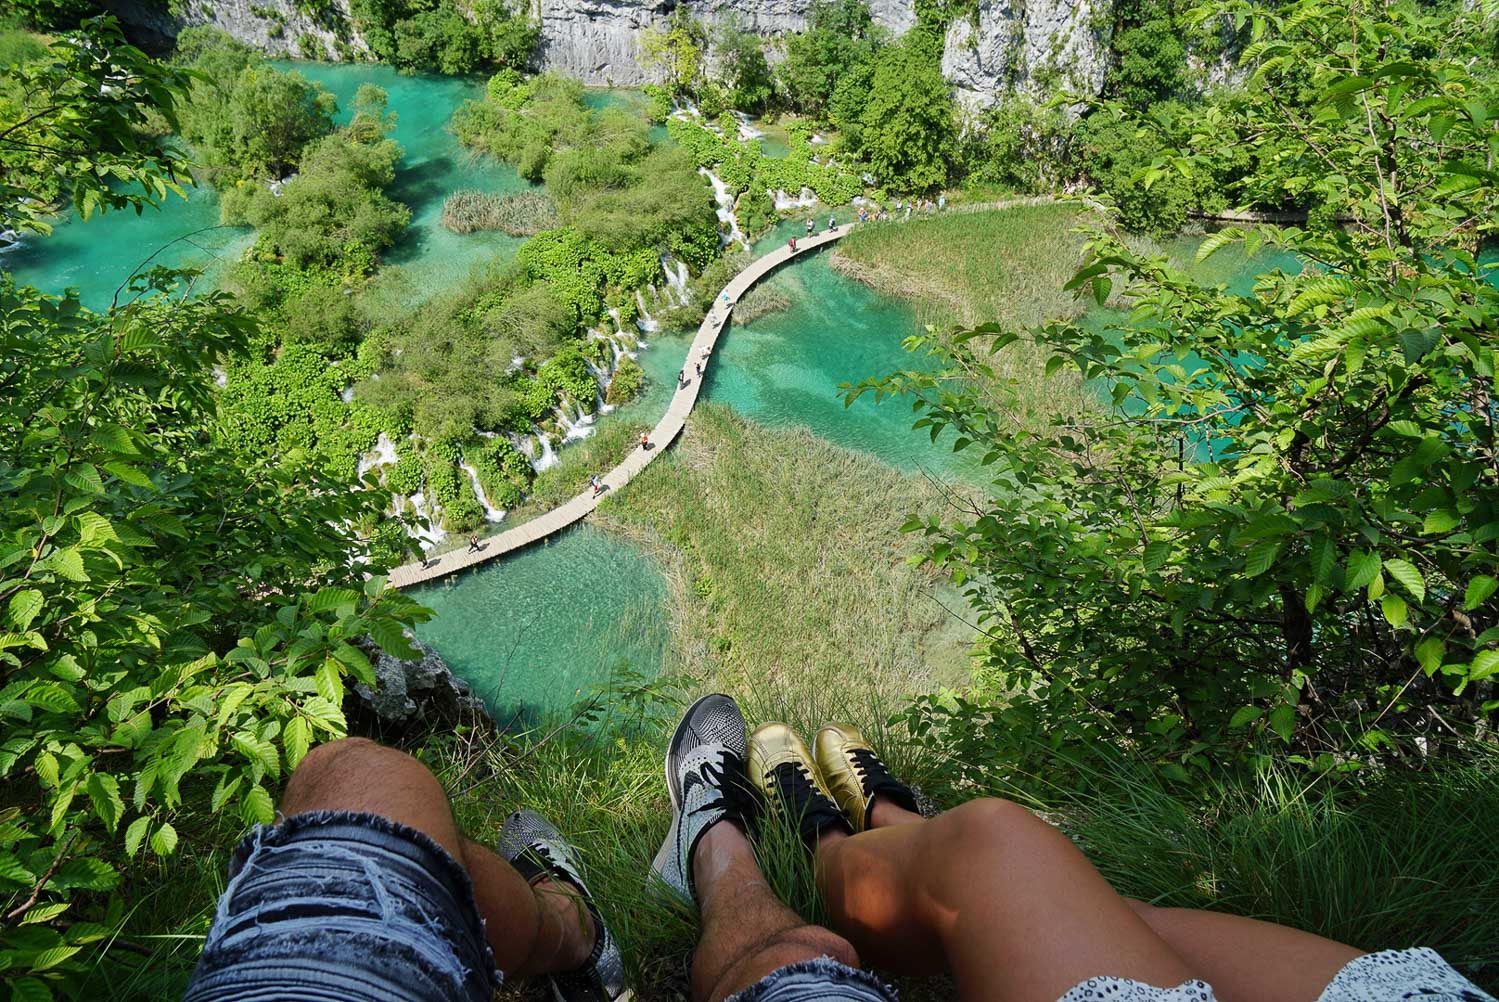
pixel 811 227
pixel 367 890
pixel 832 222
pixel 792 244
pixel 699 367
pixel 597 484
pixel 645 441
pixel 473 544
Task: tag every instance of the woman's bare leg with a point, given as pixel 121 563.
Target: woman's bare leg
pixel 1011 906
pixel 1245 959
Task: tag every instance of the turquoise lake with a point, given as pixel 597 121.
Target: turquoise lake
pixel 535 631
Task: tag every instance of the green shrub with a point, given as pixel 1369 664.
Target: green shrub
pixel 405 477
pixel 627 382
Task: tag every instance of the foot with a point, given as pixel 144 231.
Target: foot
pixel 781 768
pixel 855 775
pixel 705 776
pixel 535 848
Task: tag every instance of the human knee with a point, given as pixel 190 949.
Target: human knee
pixel 987 821
pixel 809 942
pixel 337 768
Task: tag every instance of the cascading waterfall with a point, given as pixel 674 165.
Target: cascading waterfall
pixel 676 279
pixel 491 513
pixel 730 232
pixel 538 448
pixel 746 130
pixel 383 454
pixel 434 533
pixel 645 322
pixel 574 426
pixel 805 198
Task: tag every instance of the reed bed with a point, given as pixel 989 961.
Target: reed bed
pixel 520 215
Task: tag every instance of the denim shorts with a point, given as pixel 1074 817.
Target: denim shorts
pixel 820 980
pixel 334 906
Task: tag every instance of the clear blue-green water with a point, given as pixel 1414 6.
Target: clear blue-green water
pixel 534 632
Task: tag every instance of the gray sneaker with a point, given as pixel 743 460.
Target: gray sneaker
pixel 705 775
pixel 535 848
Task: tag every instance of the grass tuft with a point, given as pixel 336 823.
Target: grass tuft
pixel 521 215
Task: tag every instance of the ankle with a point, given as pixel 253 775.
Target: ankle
pixel 721 848
pixel 568 930
pixel 883 814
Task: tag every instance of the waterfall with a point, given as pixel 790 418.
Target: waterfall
pixel 746 130
pixel 433 534
pixel 220 377
pixel 383 454
pixel 516 364
pixel 731 232
pixel 804 198
pixel 574 427
pixel 676 279
pixel 491 513
pixel 347 394
pixel 601 377
pixel 645 322
pixel 542 455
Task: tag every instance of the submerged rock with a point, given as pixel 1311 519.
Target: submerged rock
pixel 413 697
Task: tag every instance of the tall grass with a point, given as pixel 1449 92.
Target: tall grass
pixel 1403 859
pixel 965 268
pixel 521 215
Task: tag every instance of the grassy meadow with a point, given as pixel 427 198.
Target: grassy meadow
pixel 959 269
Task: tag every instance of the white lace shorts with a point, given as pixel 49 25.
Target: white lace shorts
pixel 1375 977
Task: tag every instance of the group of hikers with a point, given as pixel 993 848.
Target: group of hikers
pixel 879 214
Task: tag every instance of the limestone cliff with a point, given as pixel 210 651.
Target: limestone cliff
pixel 1028 45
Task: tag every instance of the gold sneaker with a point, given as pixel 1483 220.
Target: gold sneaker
pixel 854 774
pixel 780 768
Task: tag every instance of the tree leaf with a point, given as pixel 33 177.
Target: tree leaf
pixel 1480 589
pixel 24 607
pixel 164 840
pixel 1362 567
pixel 1410 579
pixel 135 834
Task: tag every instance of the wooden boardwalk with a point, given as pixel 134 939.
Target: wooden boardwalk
pixel 665 432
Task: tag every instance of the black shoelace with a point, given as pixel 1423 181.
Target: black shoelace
pixel 803 802
pixel 875 778
pixel 727 778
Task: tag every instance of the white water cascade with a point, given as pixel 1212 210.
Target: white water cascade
pixel 746 130
pixel 434 533
pixel 645 321
pixel 676 280
pixel 730 231
pixel 574 426
pixel 491 513
pixel 538 449
pixel 383 454
pixel 804 199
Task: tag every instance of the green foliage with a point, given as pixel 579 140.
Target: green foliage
pixel 1152 64
pixel 626 384
pixel 405 477
pixel 746 73
pixel 504 471
pixel 1276 533
pixel 243 118
pixel 335 213
pixel 1019 145
pixel 1114 151
pixel 447 37
pixel 677 51
pixel 907 131
pixel 840 41
pixel 138 679
pixel 80 126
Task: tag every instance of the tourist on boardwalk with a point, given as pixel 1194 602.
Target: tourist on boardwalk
pixel 792 244
pixel 368 890
pixel 473 544
pixel 811 226
pixel 645 441
pixel 699 367
pixel 596 484
pixel 681 377
pixel 832 223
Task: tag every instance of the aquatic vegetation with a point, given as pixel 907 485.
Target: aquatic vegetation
pixel 522 215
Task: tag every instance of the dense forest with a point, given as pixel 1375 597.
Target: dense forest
pixel 1229 567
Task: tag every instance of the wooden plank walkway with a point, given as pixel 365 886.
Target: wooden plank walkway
pixel 665 432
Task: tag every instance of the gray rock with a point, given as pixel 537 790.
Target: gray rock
pixel 272 26
pixel 1040 47
pixel 414 695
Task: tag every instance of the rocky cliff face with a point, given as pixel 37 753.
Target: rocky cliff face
pixel 1034 45
pixel 1028 45
pixel 275 27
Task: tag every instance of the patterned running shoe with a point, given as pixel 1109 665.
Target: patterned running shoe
pixel 782 770
pixel 705 776
pixel 855 775
pixel 536 849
